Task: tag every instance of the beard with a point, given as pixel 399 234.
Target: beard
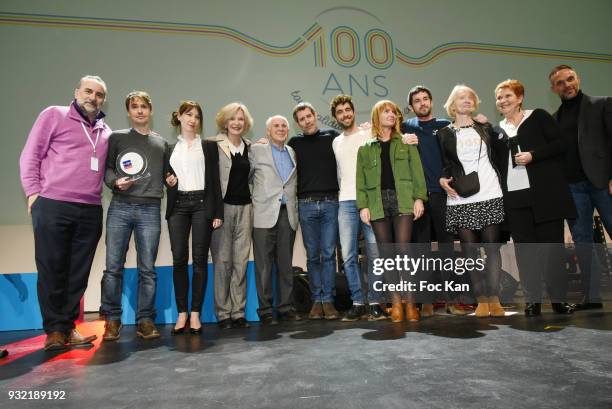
pixel 90 108
pixel 350 125
pixel 422 114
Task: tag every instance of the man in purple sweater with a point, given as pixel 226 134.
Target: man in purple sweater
pixel 61 168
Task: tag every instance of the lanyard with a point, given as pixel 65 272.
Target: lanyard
pixel 93 144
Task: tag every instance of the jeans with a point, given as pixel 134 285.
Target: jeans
pixel 586 198
pixel 189 215
pixel 319 222
pixel 123 218
pixel 66 235
pixel 348 226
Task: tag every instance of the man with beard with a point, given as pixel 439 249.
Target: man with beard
pixel 346 146
pixel 317 189
pixel 61 170
pixel 422 130
pixel 586 126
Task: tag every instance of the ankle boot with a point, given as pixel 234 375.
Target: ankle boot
pixel 495 307
pixel 482 310
pixel 427 310
pixel 412 314
pixel 397 313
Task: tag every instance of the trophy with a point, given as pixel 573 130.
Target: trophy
pixel 132 163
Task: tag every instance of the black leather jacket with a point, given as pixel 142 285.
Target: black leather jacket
pixel 447 138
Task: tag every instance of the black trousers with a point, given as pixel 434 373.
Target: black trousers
pixel 434 219
pixel 274 246
pixel 66 235
pixel 540 254
pixel 187 216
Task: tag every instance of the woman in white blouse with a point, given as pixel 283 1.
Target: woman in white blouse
pixel 475 218
pixel 536 195
pixel 194 204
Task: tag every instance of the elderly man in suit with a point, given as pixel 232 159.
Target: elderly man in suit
pixel 586 126
pixel 274 181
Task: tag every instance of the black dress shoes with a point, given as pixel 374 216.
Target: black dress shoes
pixel 225 324
pixel 533 309
pixel 562 308
pixel 268 319
pixel 240 323
pixel 588 305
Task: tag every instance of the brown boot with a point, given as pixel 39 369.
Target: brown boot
pixel 330 311
pixel 495 307
pixel 427 310
pixel 112 330
pixel 316 312
pixel 55 341
pixel 482 311
pixel 397 313
pixel 412 313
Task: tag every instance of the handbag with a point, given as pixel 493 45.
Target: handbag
pixel 468 185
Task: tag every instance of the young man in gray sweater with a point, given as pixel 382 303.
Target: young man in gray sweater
pixel 135 173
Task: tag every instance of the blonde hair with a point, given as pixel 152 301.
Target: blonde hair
pixel 377 109
pixel 459 89
pixel 228 112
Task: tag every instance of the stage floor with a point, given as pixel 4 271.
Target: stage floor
pixel 441 362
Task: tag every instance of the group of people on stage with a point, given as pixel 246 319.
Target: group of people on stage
pixel 396 180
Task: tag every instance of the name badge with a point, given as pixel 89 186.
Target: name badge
pixel 94 164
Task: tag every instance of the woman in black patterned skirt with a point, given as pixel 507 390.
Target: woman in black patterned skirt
pixel 466 148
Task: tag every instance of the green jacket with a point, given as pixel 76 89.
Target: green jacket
pixel 407 172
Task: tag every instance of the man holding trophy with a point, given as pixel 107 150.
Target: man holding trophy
pixel 135 173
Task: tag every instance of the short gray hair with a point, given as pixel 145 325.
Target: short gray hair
pixel 93 78
pixel 273 117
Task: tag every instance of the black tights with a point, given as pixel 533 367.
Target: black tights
pixel 391 230
pixel 485 282
pixel 396 229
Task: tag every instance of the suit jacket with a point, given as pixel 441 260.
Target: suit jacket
pixel 225 158
pixel 268 188
pixel 595 138
pixel 213 201
pixel 549 193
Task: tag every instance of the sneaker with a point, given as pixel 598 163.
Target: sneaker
pixel 112 330
pixel 330 311
pixel 377 313
pixel 147 330
pixel 355 313
pixel 316 312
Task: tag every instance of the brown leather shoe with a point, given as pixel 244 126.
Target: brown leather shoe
pixel 412 313
pixel 55 341
pixel 112 330
pixel 397 313
pixel 147 330
pixel 427 310
pixel 316 312
pixel 330 311
pixel 75 338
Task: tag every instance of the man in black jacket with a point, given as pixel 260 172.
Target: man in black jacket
pixel 586 125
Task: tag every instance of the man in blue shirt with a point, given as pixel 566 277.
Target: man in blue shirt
pixel 274 181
